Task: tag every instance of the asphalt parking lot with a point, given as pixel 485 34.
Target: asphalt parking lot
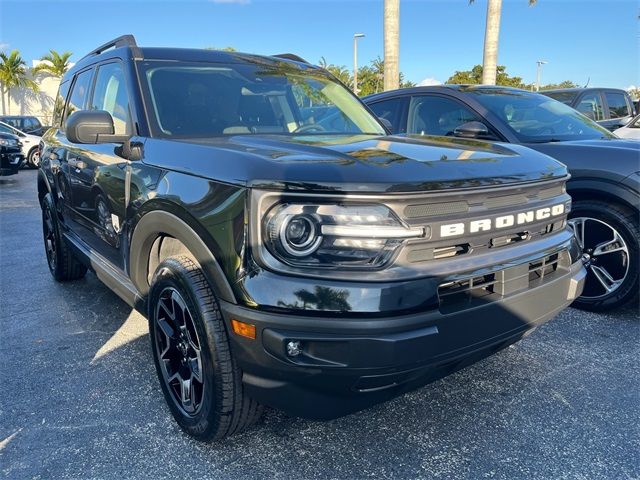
pixel 79 397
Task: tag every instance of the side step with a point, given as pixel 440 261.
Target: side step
pixel 111 276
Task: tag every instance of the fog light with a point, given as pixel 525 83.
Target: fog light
pixel 294 348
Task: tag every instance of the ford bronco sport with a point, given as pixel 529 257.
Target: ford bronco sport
pixel 286 250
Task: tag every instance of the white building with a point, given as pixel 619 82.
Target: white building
pixel 39 104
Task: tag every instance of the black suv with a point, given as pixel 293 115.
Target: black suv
pixel 610 107
pixel 11 157
pixel 25 123
pixel 284 248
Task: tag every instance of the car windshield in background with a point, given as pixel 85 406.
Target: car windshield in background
pixel 535 118
pixel 202 100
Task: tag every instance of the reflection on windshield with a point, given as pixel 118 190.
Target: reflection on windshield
pixel 203 100
pixel 536 118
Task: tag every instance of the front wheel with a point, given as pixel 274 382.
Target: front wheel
pixel 609 236
pixel 199 377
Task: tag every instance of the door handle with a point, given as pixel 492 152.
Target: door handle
pixel 76 163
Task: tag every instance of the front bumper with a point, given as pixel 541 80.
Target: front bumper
pixel 349 363
pixel 10 163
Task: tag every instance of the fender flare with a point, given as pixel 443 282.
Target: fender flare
pixel 603 188
pixel 160 222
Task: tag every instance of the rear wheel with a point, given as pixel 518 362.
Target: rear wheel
pixel 608 235
pixel 199 377
pixel 63 264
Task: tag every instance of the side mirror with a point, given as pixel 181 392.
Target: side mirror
pixel 471 130
pixel 91 127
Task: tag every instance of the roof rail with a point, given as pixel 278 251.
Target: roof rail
pixel 290 56
pixel 122 41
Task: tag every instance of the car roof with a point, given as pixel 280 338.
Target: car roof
pixel 446 88
pixel 579 89
pixel 133 52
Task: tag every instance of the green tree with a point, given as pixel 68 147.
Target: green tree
pixel 635 93
pixel 474 77
pixel 341 72
pixel 53 63
pixel 491 36
pixel 13 74
pixel 225 49
pixel 565 84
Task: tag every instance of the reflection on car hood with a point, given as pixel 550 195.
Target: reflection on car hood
pixel 354 163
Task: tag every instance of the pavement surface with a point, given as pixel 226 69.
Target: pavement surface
pixel 79 397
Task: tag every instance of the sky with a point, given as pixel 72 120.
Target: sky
pixel 595 41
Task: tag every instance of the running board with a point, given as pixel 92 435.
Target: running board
pixel 112 277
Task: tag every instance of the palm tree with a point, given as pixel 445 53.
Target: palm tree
pixel 13 74
pixel 391 44
pixel 491 35
pixel 54 63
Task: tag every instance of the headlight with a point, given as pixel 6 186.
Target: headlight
pixel 7 142
pixel 330 236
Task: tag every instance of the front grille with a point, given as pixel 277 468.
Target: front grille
pixel 477 290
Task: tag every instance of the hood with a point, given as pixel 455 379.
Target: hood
pixel 595 157
pixel 353 163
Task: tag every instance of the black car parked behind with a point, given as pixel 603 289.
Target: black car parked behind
pixel 10 154
pixel 610 107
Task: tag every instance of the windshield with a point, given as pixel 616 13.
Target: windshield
pixel 203 100
pixel 538 119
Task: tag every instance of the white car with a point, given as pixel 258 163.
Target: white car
pixel 29 144
pixel 631 130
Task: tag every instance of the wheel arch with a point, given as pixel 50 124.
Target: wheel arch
pixel 159 234
pixel 43 186
pixel 606 191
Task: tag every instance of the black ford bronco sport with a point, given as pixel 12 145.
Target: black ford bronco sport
pixel 285 249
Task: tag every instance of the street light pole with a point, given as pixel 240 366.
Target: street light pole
pixel 539 64
pixel 355 61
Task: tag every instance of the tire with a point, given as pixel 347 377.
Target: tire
pixel 62 261
pixel 33 158
pixel 612 256
pixel 216 405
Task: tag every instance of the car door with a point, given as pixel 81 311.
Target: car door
pixel 619 111
pixel 65 153
pixel 99 172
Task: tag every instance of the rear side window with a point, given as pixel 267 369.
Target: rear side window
pixel 618 107
pixel 391 110
pixel 58 106
pixel 591 106
pixel 110 94
pixel 79 93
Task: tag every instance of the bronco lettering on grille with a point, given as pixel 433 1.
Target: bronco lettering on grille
pixel 503 221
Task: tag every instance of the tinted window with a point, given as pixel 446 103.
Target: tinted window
pixel 391 110
pixel 110 94
pixel 58 106
pixel 618 107
pixel 591 106
pixel 538 119
pixel 79 93
pixel 565 97
pixel 31 123
pixel 437 116
pixel 245 98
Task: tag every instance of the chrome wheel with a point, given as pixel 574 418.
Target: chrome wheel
pixel 605 255
pixel 178 349
pixel 34 158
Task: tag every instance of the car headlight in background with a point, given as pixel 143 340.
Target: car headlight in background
pixel 7 142
pixel 334 235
